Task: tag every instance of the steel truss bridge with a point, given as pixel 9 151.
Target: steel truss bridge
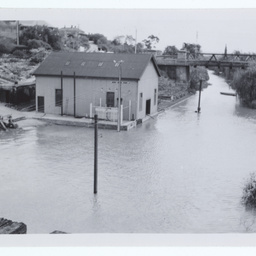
pixel 208 60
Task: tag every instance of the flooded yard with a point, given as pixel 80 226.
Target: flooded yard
pixel 178 173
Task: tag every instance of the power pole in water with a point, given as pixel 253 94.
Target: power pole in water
pixel 95 187
pixel 199 99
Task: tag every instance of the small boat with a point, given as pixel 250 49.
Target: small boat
pixel 228 93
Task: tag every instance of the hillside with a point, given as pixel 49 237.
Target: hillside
pixel 19 64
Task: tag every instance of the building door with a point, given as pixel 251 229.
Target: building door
pixel 7 96
pixel 148 106
pixel 110 99
pixel 40 104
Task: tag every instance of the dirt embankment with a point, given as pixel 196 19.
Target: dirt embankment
pixel 15 69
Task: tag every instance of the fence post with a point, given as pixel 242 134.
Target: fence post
pixel 90 110
pixel 130 109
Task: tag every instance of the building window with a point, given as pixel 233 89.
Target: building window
pixel 140 101
pixel 58 98
pixel 110 99
pixel 155 95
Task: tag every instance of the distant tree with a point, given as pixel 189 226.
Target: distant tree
pixel 83 41
pixel 97 38
pixel 129 39
pixel 122 44
pixel 237 52
pixel 117 41
pixel 170 50
pixel 151 41
pixel 140 47
pixel 43 33
pixel 197 74
pixel 192 49
pixel 121 40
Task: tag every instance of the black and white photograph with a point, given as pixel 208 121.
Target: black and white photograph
pixel 128 122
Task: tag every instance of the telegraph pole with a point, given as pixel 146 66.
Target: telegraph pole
pixel 136 41
pixel 17 27
pixel 95 187
pixel 119 100
pixel 118 64
pixel 61 84
pixel 199 99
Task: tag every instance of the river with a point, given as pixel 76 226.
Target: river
pixel 181 172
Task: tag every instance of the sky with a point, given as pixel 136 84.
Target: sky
pixel 211 28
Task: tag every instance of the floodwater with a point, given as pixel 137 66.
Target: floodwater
pixel 181 172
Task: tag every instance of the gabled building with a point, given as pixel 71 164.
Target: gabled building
pixel 83 84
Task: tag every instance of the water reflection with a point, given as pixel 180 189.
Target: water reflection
pixel 248 219
pixel 245 112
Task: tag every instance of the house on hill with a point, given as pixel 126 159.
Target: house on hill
pixel 83 84
pixel 73 30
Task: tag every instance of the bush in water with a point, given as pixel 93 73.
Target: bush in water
pixel 244 82
pixel 249 191
pixel 197 74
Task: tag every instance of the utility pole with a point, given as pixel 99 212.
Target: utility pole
pixel 136 41
pixel 74 94
pixel 118 64
pixel 95 186
pixel 61 84
pixel 17 27
pixel 199 99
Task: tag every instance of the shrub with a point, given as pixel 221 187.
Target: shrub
pixel 19 54
pixel 197 74
pixel 40 33
pixel 249 191
pixel 3 49
pixel 35 44
pixel 39 57
pixel 245 84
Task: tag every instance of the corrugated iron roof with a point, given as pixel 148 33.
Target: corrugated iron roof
pixel 97 65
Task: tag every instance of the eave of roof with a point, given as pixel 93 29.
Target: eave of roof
pixel 88 77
